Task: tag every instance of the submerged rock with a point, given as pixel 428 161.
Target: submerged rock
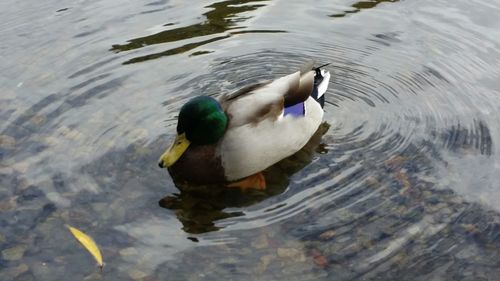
pixel 291 253
pixel 327 235
pixel 15 253
pixel 13 272
pixel 137 274
pixel 131 251
pixel 7 141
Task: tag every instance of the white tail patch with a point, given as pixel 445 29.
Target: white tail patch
pixel 324 84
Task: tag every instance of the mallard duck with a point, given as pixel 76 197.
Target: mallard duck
pixel 233 138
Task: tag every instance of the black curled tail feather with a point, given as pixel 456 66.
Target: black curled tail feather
pixel 321 79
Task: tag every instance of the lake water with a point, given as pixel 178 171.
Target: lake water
pixel 403 185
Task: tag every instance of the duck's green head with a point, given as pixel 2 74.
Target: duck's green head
pixel 201 122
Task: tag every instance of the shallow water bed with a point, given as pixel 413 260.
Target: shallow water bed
pixel 401 186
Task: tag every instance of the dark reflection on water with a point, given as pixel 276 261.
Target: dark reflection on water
pixel 177 50
pixel 361 5
pixel 223 16
pixel 461 140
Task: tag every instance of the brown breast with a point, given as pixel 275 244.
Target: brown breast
pixel 199 164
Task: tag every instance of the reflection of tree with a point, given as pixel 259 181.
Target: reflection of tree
pixel 222 17
pixel 178 50
pixel 361 5
pixel 198 207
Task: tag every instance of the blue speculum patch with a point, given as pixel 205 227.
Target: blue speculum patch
pixel 295 110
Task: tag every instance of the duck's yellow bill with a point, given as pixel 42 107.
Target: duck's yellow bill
pixel 169 157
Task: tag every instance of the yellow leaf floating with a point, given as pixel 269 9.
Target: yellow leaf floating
pixel 88 243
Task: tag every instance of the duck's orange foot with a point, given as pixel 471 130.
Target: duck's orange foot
pixel 256 181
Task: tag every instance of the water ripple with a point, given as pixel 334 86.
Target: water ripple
pixel 399 184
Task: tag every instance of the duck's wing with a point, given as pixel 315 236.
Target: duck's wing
pixel 267 100
pixel 271 122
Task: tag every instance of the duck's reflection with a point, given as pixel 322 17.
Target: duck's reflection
pixel 199 207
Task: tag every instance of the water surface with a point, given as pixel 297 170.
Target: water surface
pixel 401 186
